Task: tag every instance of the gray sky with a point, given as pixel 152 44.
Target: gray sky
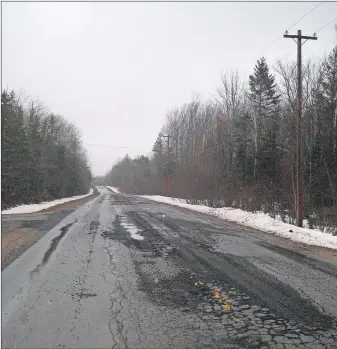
pixel 114 69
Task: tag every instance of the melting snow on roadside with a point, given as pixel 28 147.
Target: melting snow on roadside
pixel 31 208
pixel 131 228
pixel 115 190
pixel 259 221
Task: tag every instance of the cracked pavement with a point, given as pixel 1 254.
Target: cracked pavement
pixel 125 272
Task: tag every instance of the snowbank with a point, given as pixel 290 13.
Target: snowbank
pixel 116 190
pixel 43 205
pixel 258 220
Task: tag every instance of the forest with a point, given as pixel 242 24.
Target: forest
pixel 42 156
pixel 238 149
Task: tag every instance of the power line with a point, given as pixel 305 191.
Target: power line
pixel 194 155
pixel 107 146
pixel 218 145
pixel 203 151
pixel 305 15
pixel 325 25
pixel 279 37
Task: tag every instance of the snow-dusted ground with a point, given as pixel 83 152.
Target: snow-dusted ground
pixel 116 190
pixel 259 221
pixel 31 208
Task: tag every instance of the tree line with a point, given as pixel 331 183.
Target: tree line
pixel 42 156
pixel 238 149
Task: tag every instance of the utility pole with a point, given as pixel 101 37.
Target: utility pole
pixel 299 161
pixel 167 162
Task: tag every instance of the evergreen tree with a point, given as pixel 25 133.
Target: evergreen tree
pixel 14 151
pixel 35 166
pixel 264 99
pixel 158 147
pixel 241 153
pixel 322 169
pixel 158 152
pixel 42 157
pixel 262 87
pixel 244 158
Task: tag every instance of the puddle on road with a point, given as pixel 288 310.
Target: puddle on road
pixel 214 310
pixel 133 231
pixel 131 228
pixel 124 230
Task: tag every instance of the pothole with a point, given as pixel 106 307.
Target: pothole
pixel 245 320
pixel 131 228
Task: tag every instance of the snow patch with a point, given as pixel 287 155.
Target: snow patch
pixel 31 208
pixel 257 220
pixel 115 190
pixel 132 229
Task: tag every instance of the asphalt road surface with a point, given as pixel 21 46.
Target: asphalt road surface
pixel 125 272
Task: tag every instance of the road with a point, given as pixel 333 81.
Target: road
pixel 126 272
pixel 20 231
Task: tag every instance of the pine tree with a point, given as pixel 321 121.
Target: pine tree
pixel 158 150
pixel 40 159
pixel 35 167
pixel 322 168
pixel 264 99
pixel 14 151
pixel 263 89
pixel 158 147
pixel 244 158
pixel 329 85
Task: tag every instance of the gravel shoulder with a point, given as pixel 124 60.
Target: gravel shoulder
pixel 21 231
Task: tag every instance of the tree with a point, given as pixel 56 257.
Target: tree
pixel 244 158
pixel 323 161
pixel 238 149
pixel 264 99
pixel 14 151
pixel 158 152
pixel 42 155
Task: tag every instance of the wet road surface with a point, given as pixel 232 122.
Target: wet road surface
pixel 125 272
pixel 20 231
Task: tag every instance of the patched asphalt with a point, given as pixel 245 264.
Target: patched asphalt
pixel 126 272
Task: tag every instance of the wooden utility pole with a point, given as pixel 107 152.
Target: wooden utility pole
pixel 167 162
pixel 299 161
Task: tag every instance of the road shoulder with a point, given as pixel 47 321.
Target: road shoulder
pixel 21 231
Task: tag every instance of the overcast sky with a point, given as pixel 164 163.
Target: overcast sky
pixel 114 69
